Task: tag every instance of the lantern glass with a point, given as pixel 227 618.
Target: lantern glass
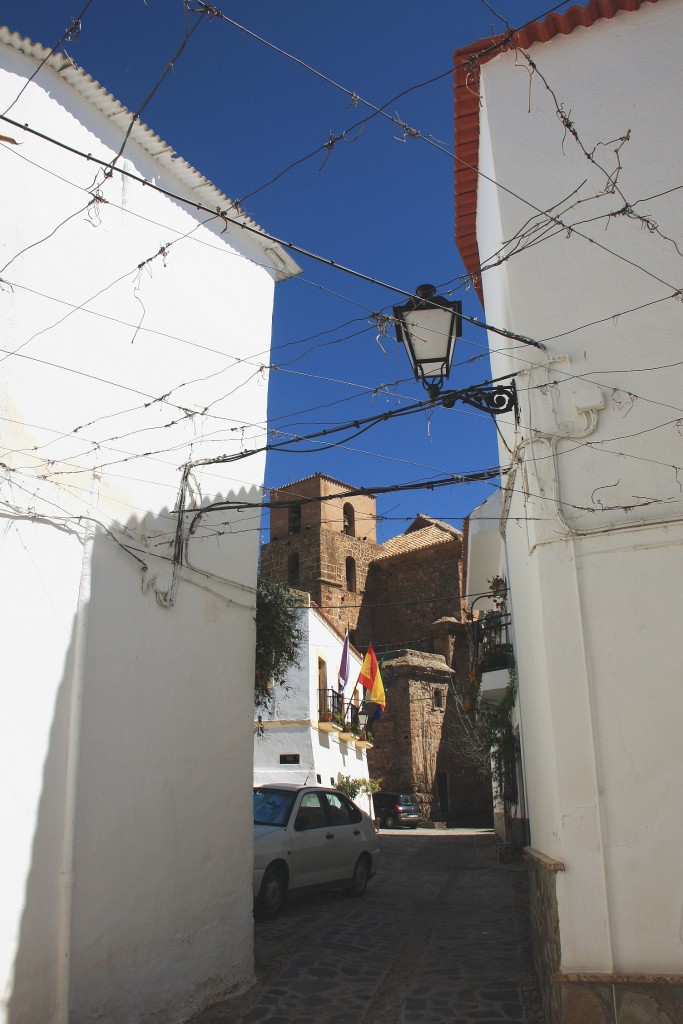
pixel 430 347
pixel 428 326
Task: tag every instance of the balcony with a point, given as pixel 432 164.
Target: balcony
pixel 493 654
pixel 343 718
pixel 330 711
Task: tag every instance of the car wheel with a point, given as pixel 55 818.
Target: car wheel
pixel 360 877
pixel 389 821
pixel 272 894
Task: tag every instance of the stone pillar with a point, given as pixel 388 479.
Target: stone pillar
pixel 443 637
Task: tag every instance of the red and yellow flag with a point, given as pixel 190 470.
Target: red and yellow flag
pixel 370 678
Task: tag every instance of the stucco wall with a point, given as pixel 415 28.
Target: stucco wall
pixel 594 563
pixel 127 726
pixel 289 725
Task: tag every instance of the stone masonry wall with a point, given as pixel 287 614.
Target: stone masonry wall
pixel 545 932
pixel 327 514
pixel 322 570
pixel 408 738
pixel 406 593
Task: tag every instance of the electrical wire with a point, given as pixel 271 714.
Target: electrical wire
pixel 70 34
pixel 252 229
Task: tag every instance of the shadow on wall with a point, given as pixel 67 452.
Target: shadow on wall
pixel 35 980
pixel 145 903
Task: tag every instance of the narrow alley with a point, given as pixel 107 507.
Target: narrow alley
pixel 441 935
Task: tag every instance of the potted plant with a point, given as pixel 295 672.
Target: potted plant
pixel 348 732
pixel 329 721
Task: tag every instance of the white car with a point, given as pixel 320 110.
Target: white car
pixel 307 837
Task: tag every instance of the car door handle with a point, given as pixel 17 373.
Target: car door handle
pixel 330 835
pixel 356 831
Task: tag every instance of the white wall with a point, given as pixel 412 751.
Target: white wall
pixel 289 726
pixel 126 745
pixel 594 570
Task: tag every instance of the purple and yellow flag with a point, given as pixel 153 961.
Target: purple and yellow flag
pixel 370 679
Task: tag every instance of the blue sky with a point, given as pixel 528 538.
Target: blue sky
pixel 380 203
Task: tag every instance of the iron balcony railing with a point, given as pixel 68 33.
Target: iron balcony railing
pixel 330 702
pixel 492 642
pixel 345 713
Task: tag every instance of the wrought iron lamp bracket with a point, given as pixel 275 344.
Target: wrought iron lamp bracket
pixel 494 399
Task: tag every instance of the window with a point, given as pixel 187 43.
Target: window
pixel 323 703
pixel 272 806
pixel 438 698
pixel 342 811
pixel 349 520
pixel 295 518
pixel 339 812
pixel 351 575
pixel 293 569
pixel 290 759
pixel 311 813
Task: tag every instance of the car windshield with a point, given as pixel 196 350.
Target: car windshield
pixel 272 806
pixel 407 798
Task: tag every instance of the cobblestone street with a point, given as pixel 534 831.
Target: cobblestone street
pixel 440 937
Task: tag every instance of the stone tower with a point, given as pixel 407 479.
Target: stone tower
pixel 322 539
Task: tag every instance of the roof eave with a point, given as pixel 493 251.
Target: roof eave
pixel 467 64
pixel 208 196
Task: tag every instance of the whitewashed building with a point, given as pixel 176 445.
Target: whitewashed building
pixel 136 331
pixel 293 741
pixel 569 218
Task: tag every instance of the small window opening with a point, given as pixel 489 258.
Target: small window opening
pixel 295 518
pixel 290 759
pixel 349 520
pixel 438 698
pixel 351 575
pixel 293 569
pixel 319 779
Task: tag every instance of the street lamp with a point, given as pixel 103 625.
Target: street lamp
pixel 428 325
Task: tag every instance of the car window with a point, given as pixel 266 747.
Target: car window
pixel 272 806
pixel 407 798
pixel 311 813
pixel 342 811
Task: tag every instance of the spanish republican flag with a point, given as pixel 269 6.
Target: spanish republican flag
pixel 370 678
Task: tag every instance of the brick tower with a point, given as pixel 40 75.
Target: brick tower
pixel 322 544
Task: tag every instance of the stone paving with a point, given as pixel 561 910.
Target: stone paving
pixel 440 937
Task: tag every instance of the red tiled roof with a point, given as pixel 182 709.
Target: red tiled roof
pixel 468 60
pixel 417 540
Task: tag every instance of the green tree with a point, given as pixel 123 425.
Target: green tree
pixel 279 637
pixel 352 787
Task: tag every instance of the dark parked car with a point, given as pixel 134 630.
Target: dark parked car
pixel 395 809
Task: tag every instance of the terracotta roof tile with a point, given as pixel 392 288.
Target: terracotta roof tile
pixel 468 60
pixel 427 537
